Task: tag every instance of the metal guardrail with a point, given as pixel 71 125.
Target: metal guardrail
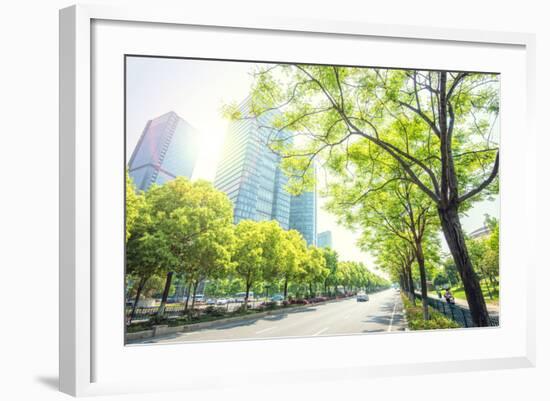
pixel 459 314
pixel 171 311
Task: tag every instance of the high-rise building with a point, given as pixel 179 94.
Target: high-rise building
pixel 324 239
pixel 303 215
pixel 249 171
pixel 166 149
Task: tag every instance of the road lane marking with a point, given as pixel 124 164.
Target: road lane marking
pixel 320 331
pixel 392 314
pixel 264 330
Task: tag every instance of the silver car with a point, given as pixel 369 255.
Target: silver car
pixel 362 297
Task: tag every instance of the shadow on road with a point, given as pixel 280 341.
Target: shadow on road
pixel 223 326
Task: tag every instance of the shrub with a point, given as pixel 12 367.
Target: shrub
pixel 415 317
pixel 214 311
pixel 156 320
pixel 268 305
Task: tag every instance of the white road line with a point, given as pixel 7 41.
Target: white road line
pixel 264 330
pixel 320 331
pixel 392 314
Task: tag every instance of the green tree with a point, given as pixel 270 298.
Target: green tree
pixel 257 251
pixel 397 208
pixel 134 202
pixel 147 252
pixel 438 126
pixel 314 268
pixel 331 262
pixel 196 220
pixel 292 260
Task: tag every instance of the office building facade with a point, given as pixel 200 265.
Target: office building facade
pixel 249 171
pixel 303 215
pixel 324 239
pixel 167 149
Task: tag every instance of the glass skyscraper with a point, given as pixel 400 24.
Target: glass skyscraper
pixel 249 173
pixel 303 215
pixel 324 239
pixel 166 149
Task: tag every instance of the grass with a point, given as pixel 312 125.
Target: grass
pixel 416 320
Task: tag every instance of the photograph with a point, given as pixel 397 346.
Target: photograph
pixel 269 199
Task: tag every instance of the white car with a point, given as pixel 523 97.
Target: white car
pixel 221 301
pixel 362 297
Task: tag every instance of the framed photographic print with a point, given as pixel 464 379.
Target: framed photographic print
pixel 241 191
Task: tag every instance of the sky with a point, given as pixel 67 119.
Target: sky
pixel 196 90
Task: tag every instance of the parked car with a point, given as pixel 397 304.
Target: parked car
pixel 210 301
pixel 362 297
pixel 231 300
pixel 199 298
pixel 277 298
pixel 221 301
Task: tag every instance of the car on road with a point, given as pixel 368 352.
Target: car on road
pixel 362 297
pixel 221 301
pixel 277 298
pixel 210 301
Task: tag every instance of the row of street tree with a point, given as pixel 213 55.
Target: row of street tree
pixel 406 154
pixel 185 229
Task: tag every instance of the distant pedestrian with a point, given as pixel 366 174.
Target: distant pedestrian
pixel 449 296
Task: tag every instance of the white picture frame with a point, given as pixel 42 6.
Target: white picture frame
pixel 84 348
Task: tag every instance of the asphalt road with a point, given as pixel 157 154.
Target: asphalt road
pixel 383 312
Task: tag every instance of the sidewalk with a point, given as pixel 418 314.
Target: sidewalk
pixel 491 308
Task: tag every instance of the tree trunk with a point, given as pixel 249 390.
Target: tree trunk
pixel 311 290
pixel 141 284
pixel 411 284
pixel 246 296
pixel 489 292
pixel 286 287
pixel 167 285
pixel 403 283
pixel 423 280
pixel 195 285
pixel 450 224
pixel 187 299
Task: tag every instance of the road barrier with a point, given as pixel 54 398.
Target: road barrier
pixel 457 313
pixel 143 313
